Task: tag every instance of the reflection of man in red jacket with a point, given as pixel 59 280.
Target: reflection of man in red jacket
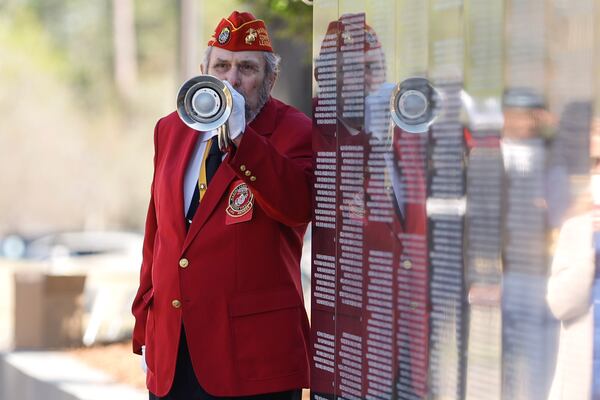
pixel 382 212
pixel 219 308
pixel 394 223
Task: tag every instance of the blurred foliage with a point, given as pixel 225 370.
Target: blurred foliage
pixel 23 37
pixel 291 19
pixel 62 115
pixel 80 32
pixel 156 28
pixel 76 141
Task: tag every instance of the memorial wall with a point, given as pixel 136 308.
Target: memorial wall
pixel 452 154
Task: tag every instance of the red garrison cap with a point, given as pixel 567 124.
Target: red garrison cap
pixel 353 31
pixel 241 31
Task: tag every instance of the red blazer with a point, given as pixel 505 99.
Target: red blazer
pixel 238 285
pixel 407 237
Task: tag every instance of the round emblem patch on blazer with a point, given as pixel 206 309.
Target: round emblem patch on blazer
pixel 241 201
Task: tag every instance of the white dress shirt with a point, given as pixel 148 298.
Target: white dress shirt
pixel 193 168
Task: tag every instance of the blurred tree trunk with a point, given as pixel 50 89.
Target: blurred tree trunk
pixel 125 49
pixel 188 43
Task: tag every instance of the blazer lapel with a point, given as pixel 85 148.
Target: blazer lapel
pixel 263 124
pixel 186 143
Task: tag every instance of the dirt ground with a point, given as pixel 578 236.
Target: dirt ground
pixel 118 361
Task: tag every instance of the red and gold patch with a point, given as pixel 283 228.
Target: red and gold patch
pixel 241 203
pixel 224 35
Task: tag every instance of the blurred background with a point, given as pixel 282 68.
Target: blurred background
pixel 82 84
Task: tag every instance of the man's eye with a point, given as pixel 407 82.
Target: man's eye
pixel 220 66
pixel 247 68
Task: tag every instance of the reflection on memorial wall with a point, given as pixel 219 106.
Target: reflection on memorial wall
pixel 452 243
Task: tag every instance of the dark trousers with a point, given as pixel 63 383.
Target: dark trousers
pixel 186 386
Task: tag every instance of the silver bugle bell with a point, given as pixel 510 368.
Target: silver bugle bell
pixel 204 103
pixel 415 105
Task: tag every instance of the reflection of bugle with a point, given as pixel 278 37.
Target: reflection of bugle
pixel 204 103
pixel 415 105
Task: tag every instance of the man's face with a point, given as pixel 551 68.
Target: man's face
pixel 518 123
pixel 244 70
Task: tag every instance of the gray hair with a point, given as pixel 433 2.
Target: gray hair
pixel 272 63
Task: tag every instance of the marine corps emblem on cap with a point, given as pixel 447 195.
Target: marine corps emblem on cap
pixel 224 35
pixel 251 36
pixel 347 38
pixel 241 201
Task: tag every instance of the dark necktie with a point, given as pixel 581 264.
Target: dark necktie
pixel 213 160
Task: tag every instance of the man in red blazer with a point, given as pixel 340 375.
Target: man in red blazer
pixel 219 310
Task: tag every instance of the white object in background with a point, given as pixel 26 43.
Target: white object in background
pixel 143 360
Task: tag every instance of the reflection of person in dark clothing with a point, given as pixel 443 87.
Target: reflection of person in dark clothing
pixel 566 159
